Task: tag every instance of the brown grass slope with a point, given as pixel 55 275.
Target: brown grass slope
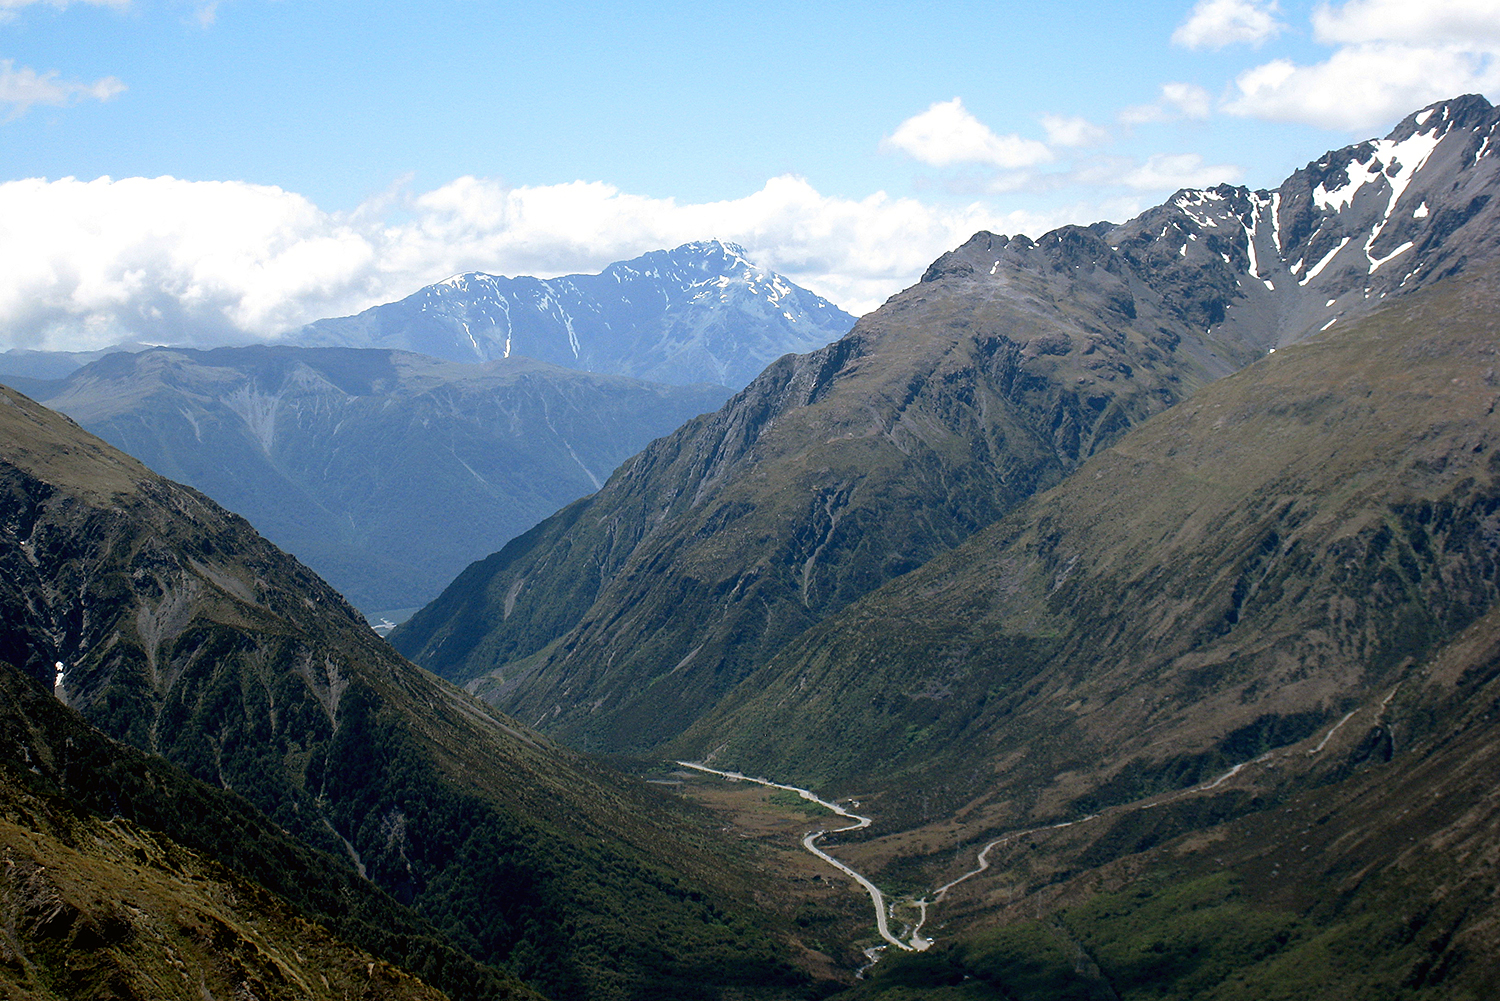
pixel 184 633
pixel 1360 862
pixel 1231 576
pixel 98 899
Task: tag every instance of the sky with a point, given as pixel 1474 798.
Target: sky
pixel 196 172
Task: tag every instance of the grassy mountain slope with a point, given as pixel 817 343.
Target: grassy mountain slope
pixel 619 620
pixel 1231 576
pixel 1358 863
pixel 386 472
pixel 125 878
pixel 184 633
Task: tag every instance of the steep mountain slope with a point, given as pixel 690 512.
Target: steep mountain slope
pixel 125 878
pixel 1232 576
pixel 26 368
pixel 170 624
pixel 1217 715
pixel 701 312
pixel 385 472
pixel 625 617
pixel 830 474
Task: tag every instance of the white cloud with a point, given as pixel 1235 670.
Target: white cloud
pixel 1389 59
pixel 1178 100
pixel 21 88
pixel 91 263
pixel 1363 86
pixel 1190 99
pixel 946 134
pixel 1463 22
pixel 1213 24
pixel 1170 171
pixel 1063 131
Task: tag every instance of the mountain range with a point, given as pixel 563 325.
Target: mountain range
pixel 1129 518
pixel 699 313
pixel 1009 365
pixel 1223 703
pixel 1138 583
pixel 171 626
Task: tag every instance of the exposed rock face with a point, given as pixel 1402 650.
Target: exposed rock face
pixel 698 313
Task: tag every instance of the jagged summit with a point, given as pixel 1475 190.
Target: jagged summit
pixel 1467 111
pixel 1272 267
pixel 699 256
pixel 701 312
pixel 685 264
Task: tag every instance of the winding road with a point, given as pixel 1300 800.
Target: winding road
pixel 809 842
pixel 918 943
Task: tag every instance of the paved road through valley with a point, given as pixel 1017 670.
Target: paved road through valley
pixel 810 843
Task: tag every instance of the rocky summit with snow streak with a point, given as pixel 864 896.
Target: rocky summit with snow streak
pixel 699 313
pixel 1269 268
pixel 1339 236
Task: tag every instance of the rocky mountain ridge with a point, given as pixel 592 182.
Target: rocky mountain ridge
pixel 701 312
pixel 1189 599
pixel 1270 268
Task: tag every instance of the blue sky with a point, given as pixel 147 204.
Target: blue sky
pixel 184 171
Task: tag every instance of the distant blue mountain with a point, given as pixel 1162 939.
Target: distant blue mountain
pixel 699 313
pixel 386 472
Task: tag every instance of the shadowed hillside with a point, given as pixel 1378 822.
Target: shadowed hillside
pixel 181 631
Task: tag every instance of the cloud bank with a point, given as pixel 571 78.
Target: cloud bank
pixel 86 264
pixel 1389 56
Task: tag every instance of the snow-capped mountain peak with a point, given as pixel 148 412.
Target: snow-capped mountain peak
pixel 701 312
